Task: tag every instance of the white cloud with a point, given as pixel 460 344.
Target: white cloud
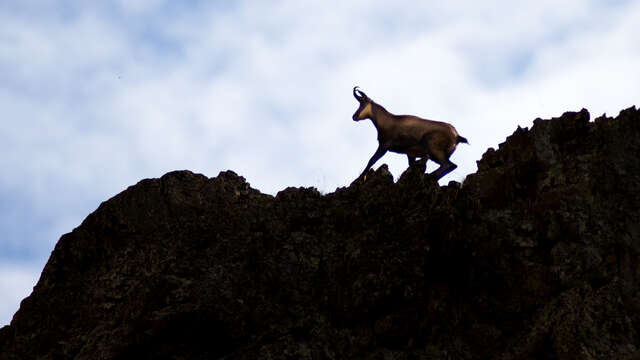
pixel 139 6
pixel 16 283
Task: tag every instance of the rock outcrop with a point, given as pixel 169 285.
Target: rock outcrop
pixel 535 256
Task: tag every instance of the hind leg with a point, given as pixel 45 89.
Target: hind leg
pixel 446 166
pixel 444 169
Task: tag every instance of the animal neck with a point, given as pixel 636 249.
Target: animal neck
pixel 380 116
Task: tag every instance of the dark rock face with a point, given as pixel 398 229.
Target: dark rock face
pixel 536 256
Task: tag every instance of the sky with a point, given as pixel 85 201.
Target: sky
pixel 96 96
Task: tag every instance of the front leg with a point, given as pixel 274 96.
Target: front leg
pixel 413 161
pixel 377 155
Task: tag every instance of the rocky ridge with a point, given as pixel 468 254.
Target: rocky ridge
pixel 535 256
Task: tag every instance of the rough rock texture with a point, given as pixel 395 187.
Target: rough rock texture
pixel 536 256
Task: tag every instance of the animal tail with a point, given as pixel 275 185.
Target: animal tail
pixel 462 139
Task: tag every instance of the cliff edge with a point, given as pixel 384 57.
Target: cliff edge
pixel 535 256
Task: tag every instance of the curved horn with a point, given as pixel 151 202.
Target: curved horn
pixel 358 94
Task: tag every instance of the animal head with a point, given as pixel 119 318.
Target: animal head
pixel 365 109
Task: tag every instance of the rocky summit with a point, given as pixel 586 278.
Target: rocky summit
pixel 535 256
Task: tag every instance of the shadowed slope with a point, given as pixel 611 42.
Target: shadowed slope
pixel 536 256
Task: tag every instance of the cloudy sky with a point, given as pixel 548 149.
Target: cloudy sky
pixel 95 96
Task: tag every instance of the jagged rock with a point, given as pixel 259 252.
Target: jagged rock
pixel 535 256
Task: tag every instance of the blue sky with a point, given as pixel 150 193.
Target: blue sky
pixel 96 96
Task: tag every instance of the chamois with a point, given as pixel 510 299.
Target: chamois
pixel 410 135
